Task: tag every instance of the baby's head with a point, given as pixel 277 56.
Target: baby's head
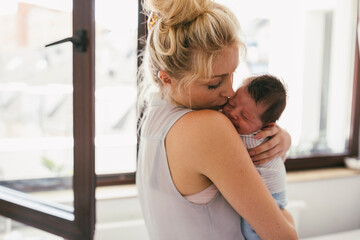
pixel 258 103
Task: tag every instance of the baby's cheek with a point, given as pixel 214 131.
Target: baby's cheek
pixel 244 128
pixel 225 109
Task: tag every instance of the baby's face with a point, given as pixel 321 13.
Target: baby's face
pixel 243 112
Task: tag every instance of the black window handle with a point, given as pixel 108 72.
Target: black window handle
pixel 79 41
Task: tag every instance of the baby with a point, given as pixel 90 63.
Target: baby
pixel 257 104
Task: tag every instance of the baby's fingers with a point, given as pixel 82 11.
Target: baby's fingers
pixel 267 132
pixel 265 147
pixel 267 156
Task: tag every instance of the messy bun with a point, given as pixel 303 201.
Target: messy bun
pixel 186 37
pixel 172 12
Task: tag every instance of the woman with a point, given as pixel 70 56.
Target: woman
pixel 195 177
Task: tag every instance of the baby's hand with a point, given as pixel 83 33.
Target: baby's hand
pixel 277 146
pixel 265 131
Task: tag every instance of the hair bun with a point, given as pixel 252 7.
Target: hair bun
pixel 174 12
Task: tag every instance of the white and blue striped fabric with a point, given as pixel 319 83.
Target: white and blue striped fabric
pixel 273 173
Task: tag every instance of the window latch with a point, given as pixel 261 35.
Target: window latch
pixel 79 41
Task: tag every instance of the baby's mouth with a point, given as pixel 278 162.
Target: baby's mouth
pixel 222 106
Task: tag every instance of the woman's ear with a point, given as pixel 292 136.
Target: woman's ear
pixel 165 78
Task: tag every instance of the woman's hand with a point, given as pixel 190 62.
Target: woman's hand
pixel 277 146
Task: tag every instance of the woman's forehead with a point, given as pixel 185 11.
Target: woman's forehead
pixel 226 62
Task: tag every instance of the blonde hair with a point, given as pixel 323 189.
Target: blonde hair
pixel 186 38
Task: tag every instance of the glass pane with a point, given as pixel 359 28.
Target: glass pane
pixel 116 66
pixel 36 125
pixel 310 45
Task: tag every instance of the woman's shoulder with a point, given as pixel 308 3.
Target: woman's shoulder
pixel 203 123
pixel 205 117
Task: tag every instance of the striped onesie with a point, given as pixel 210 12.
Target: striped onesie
pixel 274 175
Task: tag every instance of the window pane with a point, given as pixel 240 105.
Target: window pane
pixel 36 140
pixel 310 45
pixel 116 66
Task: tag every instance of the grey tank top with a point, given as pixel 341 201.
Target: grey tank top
pixel 167 214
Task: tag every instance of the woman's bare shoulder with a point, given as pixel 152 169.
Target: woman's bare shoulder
pixel 203 119
pixel 198 131
pixel 198 143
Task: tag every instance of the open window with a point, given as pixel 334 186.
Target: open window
pixel 47 113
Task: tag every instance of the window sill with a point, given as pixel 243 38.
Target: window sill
pixel 102 193
pixel 115 192
pixel 320 174
pixel 130 190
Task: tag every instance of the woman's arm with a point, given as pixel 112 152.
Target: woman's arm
pixel 288 216
pixel 276 146
pixel 205 143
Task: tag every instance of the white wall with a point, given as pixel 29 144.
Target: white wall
pixel 332 205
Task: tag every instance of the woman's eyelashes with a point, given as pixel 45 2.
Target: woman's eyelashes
pixel 221 79
pixel 215 86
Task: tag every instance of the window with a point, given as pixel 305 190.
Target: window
pixel 47 113
pixel 36 101
pixel 50 95
pixel 310 45
pixel 116 88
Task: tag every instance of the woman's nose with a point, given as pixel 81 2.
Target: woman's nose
pixel 228 92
